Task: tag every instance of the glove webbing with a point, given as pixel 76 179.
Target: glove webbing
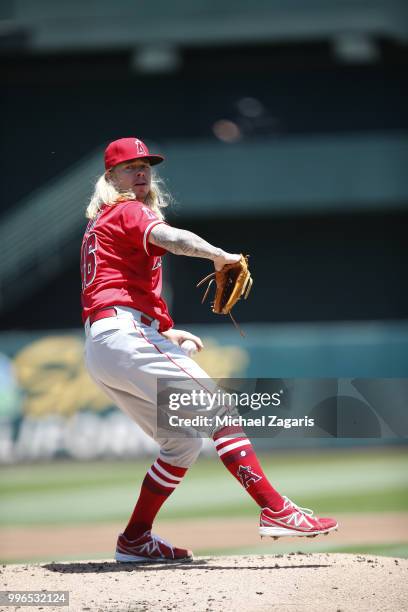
pixel 212 277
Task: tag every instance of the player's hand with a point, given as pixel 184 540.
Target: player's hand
pixel 177 337
pixel 224 259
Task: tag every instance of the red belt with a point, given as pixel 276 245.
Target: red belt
pixel 105 313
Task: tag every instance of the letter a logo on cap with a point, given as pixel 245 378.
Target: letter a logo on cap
pixel 140 147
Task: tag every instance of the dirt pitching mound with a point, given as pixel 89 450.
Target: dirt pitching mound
pixel 294 581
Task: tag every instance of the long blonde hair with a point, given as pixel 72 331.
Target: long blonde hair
pixel 106 193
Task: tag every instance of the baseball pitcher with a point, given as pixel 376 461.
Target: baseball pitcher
pixel 131 341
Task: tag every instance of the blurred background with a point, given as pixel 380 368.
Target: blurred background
pixel 285 132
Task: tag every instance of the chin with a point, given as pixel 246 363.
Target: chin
pixel 141 193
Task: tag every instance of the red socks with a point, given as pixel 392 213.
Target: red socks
pixel 238 456
pixel 159 482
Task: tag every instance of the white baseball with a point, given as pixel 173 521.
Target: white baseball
pixel 189 347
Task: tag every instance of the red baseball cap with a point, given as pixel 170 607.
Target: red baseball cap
pixel 126 149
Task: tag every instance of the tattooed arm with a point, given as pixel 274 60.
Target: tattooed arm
pixel 182 242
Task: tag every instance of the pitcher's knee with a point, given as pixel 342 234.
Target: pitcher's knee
pixel 181 453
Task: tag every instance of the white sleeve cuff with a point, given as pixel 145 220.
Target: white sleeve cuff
pixel 147 232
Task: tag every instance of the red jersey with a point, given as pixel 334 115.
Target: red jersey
pixel 120 266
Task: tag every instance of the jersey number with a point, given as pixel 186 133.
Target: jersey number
pixel 88 260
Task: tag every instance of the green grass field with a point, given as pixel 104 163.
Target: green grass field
pixel 66 493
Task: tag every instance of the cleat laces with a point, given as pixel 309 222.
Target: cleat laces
pixel 306 511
